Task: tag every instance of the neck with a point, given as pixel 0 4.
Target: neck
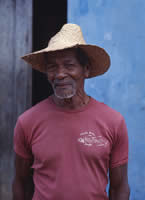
pixel 77 101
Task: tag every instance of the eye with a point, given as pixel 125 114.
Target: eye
pixel 51 67
pixel 69 65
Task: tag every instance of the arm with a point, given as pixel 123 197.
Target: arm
pixel 119 188
pixel 23 183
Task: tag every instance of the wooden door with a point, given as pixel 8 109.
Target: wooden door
pixel 15 80
pixel 25 26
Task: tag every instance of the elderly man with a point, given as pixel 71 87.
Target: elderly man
pixel 70 140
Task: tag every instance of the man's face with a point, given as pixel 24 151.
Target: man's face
pixel 65 73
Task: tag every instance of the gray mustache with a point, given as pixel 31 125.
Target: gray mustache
pixel 56 82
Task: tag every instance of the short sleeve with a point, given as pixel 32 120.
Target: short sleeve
pixel 21 145
pixel 119 153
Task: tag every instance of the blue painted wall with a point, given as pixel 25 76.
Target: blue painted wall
pixel 119 27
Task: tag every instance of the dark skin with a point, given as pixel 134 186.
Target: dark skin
pixel 119 188
pixel 23 187
pixel 63 68
pixel 64 72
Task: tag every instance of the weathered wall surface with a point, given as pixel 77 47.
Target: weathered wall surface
pixel 15 80
pixel 118 26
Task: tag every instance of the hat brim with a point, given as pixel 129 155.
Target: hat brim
pixel 99 59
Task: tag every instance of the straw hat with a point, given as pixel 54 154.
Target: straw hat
pixel 71 36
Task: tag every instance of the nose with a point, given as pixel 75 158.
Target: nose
pixel 60 73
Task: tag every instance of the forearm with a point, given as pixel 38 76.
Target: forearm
pixel 22 191
pixel 29 189
pixel 119 193
pixel 18 190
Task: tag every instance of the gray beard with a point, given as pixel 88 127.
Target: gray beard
pixel 66 95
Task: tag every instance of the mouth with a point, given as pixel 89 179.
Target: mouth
pixel 62 85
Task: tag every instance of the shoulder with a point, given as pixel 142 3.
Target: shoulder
pixel 35 113
pixel 112 121
pixel 28 122
pixel 107 114
pixel 39 107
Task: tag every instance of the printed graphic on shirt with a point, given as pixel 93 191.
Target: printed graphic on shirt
pixel 89 138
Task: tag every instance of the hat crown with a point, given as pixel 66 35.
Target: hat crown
pixel 69 35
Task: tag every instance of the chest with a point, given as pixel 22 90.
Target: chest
pixel 69 140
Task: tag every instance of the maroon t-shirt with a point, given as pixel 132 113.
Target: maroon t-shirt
pixel 72 149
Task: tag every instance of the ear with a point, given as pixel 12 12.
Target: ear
pixel 87 71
